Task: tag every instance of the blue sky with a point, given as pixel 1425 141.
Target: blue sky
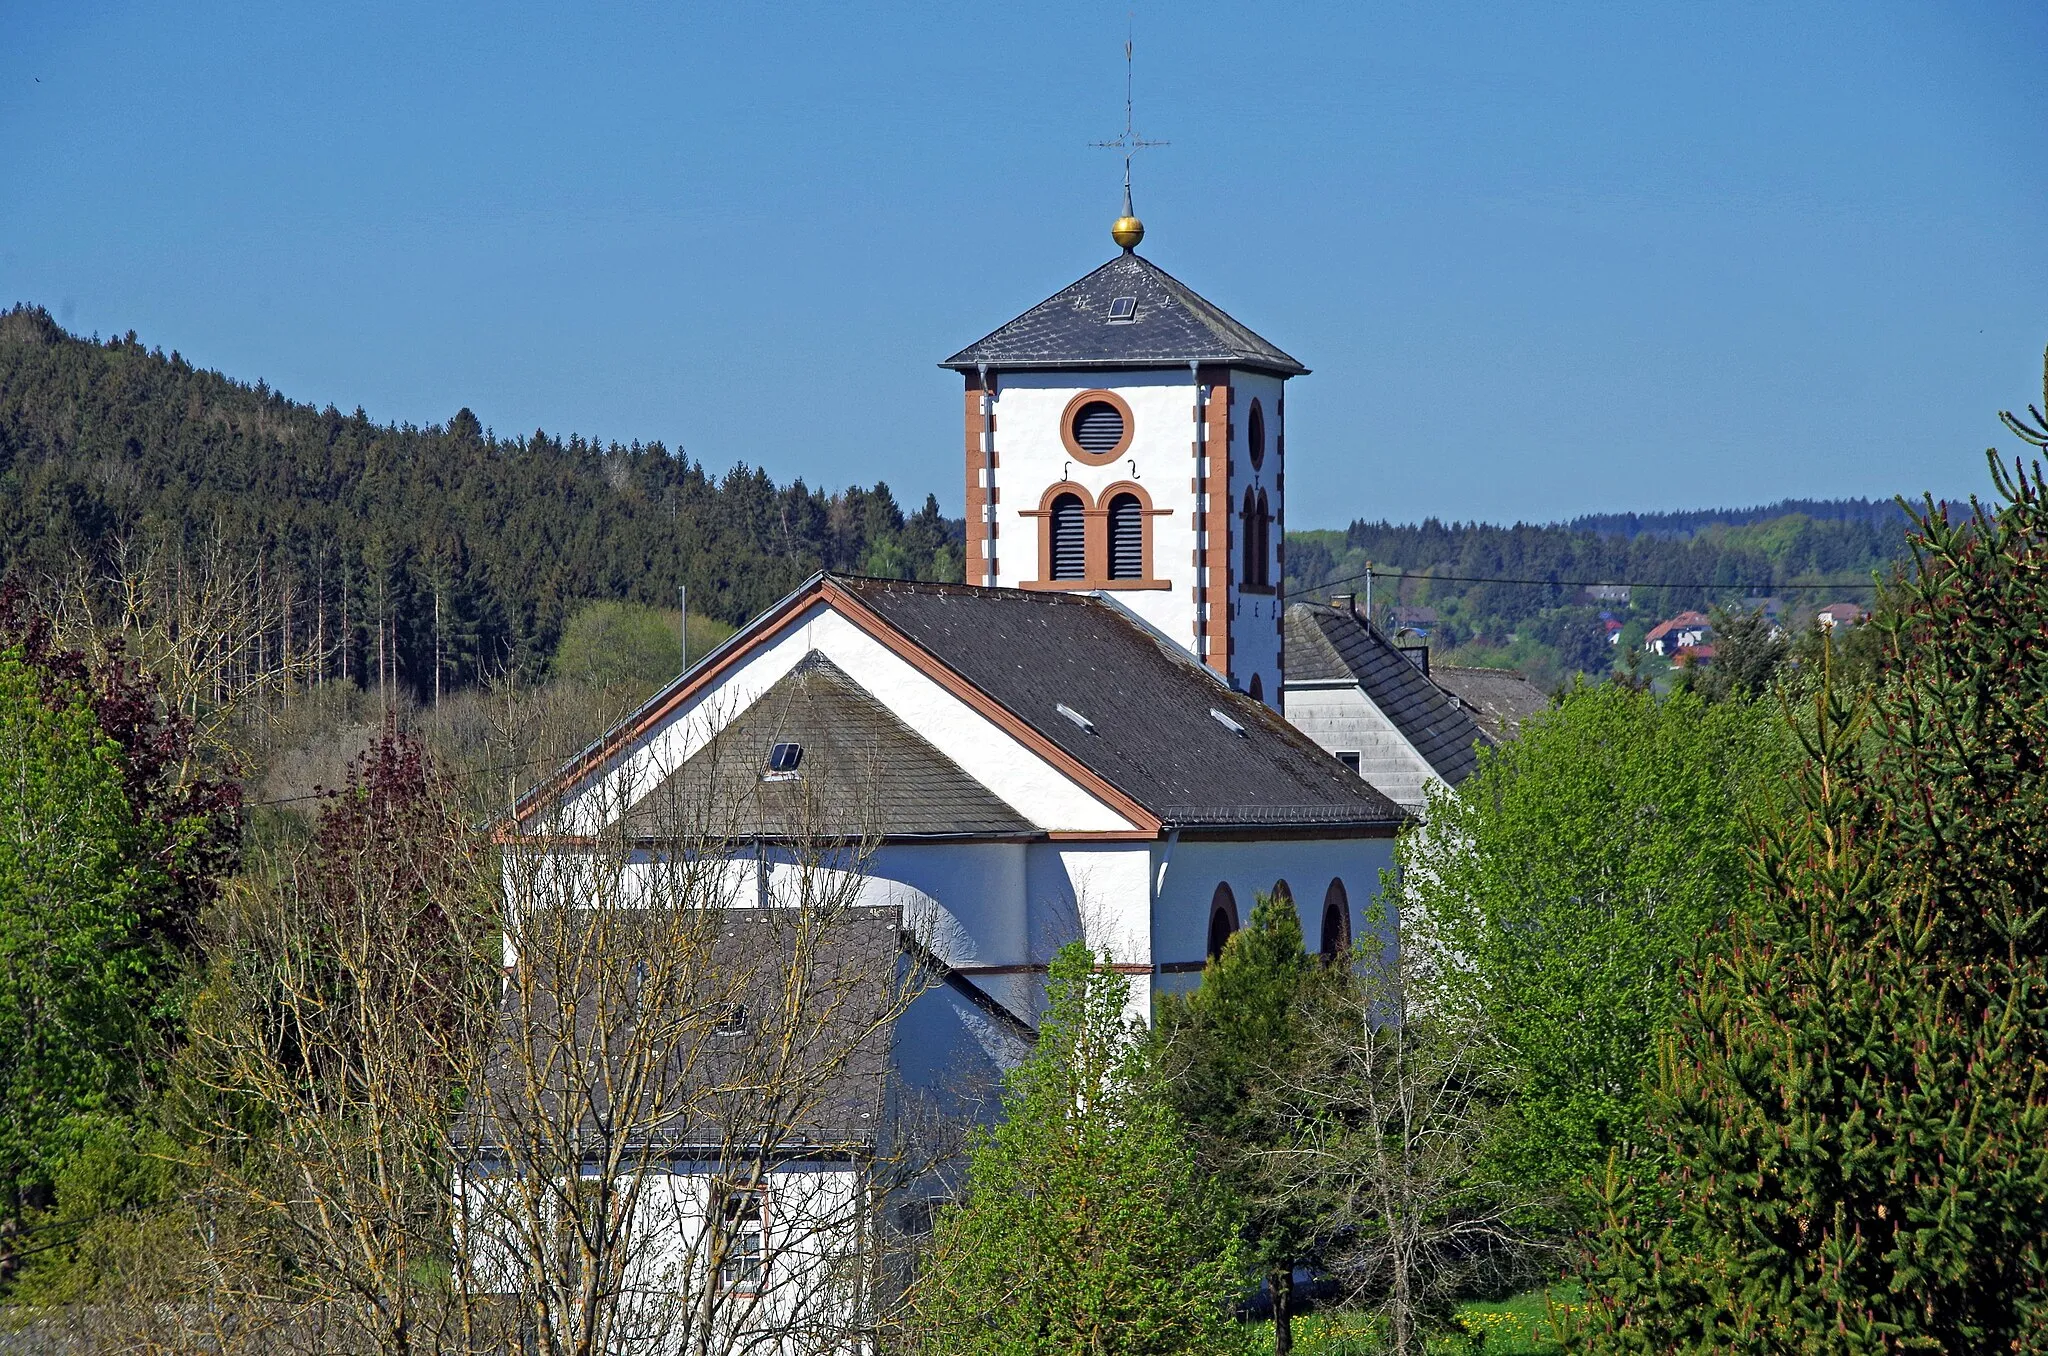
pixel 1544 259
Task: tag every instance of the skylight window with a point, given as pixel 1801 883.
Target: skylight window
pixel 1071 714
pixel 1123 310
pixel 782 762
pixel 1227 723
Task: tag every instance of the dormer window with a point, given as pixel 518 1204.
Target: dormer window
pixel 1123 310
pixel 782 762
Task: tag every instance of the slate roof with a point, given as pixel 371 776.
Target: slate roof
pixel 1173 327
pixel 828 1036
pixel 863 772
pixel 1155 737
pixel 1330 644
pixel 1501 698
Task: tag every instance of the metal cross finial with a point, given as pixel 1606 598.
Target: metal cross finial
pixel 1130 141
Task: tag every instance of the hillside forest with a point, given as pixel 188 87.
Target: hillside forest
pixel 417 561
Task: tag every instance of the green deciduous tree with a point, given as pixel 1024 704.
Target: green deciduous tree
pixel 608 644
pixel 1558 893
pixel 1220 1047
pixel 1087 1226
pixel 1853 1108
pixel 105 859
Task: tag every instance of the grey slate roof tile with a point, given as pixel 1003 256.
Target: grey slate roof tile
pixel 1154 737
pixel 1173 327
pixel 863 772
pixel 1330 644
pixel 1501 698
pixel 829 1031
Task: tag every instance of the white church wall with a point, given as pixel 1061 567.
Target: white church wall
pixel 1342 719
pixel 1026 781
pixel 1255 616
pixel 1197 867
pixel 1032 456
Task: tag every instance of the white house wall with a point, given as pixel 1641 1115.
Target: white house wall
pixel 1028 783
pixel 815 1220
pixel 1342 719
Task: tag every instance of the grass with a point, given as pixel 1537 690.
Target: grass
pixel 1521 1325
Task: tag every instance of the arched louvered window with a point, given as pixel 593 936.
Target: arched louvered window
pixel 1265 566
pixel 1222 919
pixel 1069 538
pixel 1336 921
pixel 1248 540
pixel 1098 427
pixel 1126 537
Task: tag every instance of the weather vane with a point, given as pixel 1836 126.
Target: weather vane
pixel 1128 230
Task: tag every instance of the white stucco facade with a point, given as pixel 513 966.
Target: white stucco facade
pixel 1171 462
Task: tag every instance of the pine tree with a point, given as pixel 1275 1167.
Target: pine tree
pixel 1854 1105
pixel 1087 1227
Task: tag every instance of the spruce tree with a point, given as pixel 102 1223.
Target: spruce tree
pixel 1854 1103
pixel 1220 1047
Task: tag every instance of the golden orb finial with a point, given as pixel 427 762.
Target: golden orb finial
pixel 1127 231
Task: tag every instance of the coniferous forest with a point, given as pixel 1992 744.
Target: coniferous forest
pixel 425 558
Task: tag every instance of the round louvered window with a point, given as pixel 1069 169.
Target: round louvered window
pixel 1255 435
pixel 1096 427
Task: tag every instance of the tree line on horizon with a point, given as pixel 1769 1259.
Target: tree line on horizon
pixel 1790 564
pixel 396 557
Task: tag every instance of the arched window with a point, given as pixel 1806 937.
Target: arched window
pixel 1126 537
pixel 1222 919
pixel 1265 570
pixel 1255 435
pixel 1336 921
pixel 1283 891
pixel 1069 538
pixel 1257 690
pixel 1248 533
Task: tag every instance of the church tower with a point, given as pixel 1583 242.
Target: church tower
pixel 1125 435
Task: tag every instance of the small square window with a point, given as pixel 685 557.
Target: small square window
pixel 1349 758
pixel 1123 310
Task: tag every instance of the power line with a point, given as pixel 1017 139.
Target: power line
pixel 1579 583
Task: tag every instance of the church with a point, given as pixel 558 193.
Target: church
pixel 1083 741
